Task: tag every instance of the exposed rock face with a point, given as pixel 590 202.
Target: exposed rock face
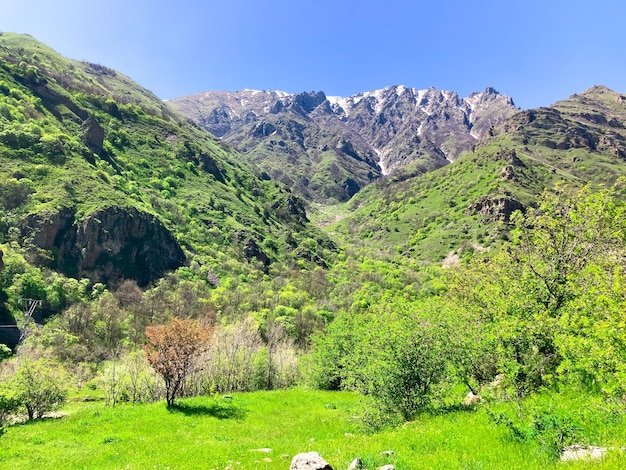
pixel 93 135
pixel 309 461
pixel 406 125
pixel 330 147
pixel 108 245
pixel 496 208
pixel 251 249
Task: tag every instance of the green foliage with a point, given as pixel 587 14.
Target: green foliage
pixel 9 405
pixel 550 305
pixel 399 355
pixel 553 429
pixel 39 386
pixel 14 193
pixel 5 352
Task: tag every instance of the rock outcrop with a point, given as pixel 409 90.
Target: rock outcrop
pixel 309 461
pixel 107 245
pixel 93 135
pixel 496 208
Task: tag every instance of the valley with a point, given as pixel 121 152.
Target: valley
pixel 306 273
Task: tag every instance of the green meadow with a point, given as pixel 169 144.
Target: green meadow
pixel 264 430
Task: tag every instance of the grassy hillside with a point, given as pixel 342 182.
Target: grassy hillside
pixel 83 137
pixel 466 205
pixel 100 179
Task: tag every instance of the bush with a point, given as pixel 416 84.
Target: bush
pixel 9 405
pixel 399 358
pixel 14 193
pixel 39 386
pixel 235 360
pixel 371 418
pixel 551 428
pixel 131 380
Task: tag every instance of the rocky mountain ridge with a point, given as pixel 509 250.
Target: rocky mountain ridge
pixel 330 147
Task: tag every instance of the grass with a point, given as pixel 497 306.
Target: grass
pixel 216 433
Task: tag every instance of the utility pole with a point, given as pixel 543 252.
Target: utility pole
pixel 29 306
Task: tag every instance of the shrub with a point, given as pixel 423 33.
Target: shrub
pixel 39 386
pixel 173 349
pixel 14 193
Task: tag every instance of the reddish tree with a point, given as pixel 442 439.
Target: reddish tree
pixel 172 350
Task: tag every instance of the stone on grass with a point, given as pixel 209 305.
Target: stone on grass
pixel 357 464
pixel 471 399
pixel 577 452
pixel 309 461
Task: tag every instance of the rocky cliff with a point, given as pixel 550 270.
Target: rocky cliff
pixel 107 245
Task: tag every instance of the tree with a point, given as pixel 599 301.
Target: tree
pixel 402 357
pixel 564 235
pixel 39 386
pixel 172 350
pixel 550 306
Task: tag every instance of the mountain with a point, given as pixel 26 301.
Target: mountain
pixel 101 179
pixel 467 205
pixel 328 148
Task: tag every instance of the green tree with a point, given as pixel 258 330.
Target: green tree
pixel 396 353
pixel 565 234
pixel 550 304
pixel 39 386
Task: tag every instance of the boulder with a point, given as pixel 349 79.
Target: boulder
pixel 309 461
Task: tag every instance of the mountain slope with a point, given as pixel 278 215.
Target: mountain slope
pixel 101 179
pixel 328 148
pixel 467 205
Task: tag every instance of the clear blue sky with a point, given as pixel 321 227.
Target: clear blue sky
pixel 536 51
